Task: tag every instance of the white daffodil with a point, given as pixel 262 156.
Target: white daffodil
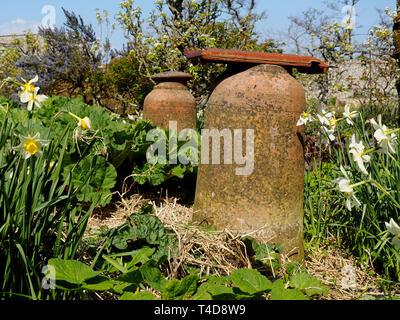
pixel 324 116
pixel 344 185
pixel 33 99
pixel 324 119
pixel 27 89
pixel 394 229
pixel 387 141
pixel 349 115
pixel 357 150
pixel 84 123
pixel 329 134
pixel 31 146
pixel 304 118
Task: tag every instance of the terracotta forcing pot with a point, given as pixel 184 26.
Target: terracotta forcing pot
pixel 171 100
pixel 268 202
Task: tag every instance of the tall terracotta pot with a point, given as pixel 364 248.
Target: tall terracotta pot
pixel 268 203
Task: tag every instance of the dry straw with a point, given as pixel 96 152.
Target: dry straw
pixel 221 252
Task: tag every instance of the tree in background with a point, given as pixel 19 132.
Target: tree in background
pixel 364 71
pixel 67 60
pixel 317 32
pixel 396 43
pixel 158 42
pixel 18 48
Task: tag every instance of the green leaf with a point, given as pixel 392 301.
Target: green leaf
pixel 115 264
pixel 250 281
pixel 99 283
pixel 202 296
pixel 138 296
pixel 153 277
pixel 139 256
pixel 157 178
pixel 179 171
pixel 219 280
pixel 71 271
pixel 279 292
pixel 146 209
pixel 308 284
pixel 134 277
pixel 263 252
pixel 101 182
pixel 180 289
pixel 287 294
pixel 220 292
pixel 119 242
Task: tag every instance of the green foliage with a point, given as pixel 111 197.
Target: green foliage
pixel 10 55
pixel 102 181
pixel 243 284
pixel 362 230
pixel 279 292
pixel 144 226
pixel 140 268
pixel 39 219
pixel 263 254
pixel 250 281
pixel 310 285
pixel 122 145
pixel 123 79
pixel 158 41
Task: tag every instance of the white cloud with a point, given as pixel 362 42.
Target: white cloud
pixel 18 21
pixel 18 26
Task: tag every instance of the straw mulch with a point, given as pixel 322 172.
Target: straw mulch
pixel 221 252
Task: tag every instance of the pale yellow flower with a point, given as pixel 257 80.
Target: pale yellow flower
pixel 31 146
pixel 27 89
pixel 85 123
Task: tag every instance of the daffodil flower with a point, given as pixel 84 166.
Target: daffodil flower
pixel 349 115
pixel 387 140
pixel 27 89
pixel 304 118
pixel 345 186
pixel 84 123
pixel 357 149
pixel 31 146
pixel 394 229
pixel 33 99
pixel 329 133
pixel 324 116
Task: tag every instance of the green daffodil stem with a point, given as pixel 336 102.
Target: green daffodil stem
pixel 393 131
pixel 359 184
pixel 76 117
pixel 369 151
pixel 376 184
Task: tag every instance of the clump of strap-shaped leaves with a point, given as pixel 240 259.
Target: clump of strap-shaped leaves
pixel 39 217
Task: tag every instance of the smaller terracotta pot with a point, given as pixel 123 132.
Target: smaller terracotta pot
pixel 171 100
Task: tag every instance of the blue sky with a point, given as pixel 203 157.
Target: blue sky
pixel 27 14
